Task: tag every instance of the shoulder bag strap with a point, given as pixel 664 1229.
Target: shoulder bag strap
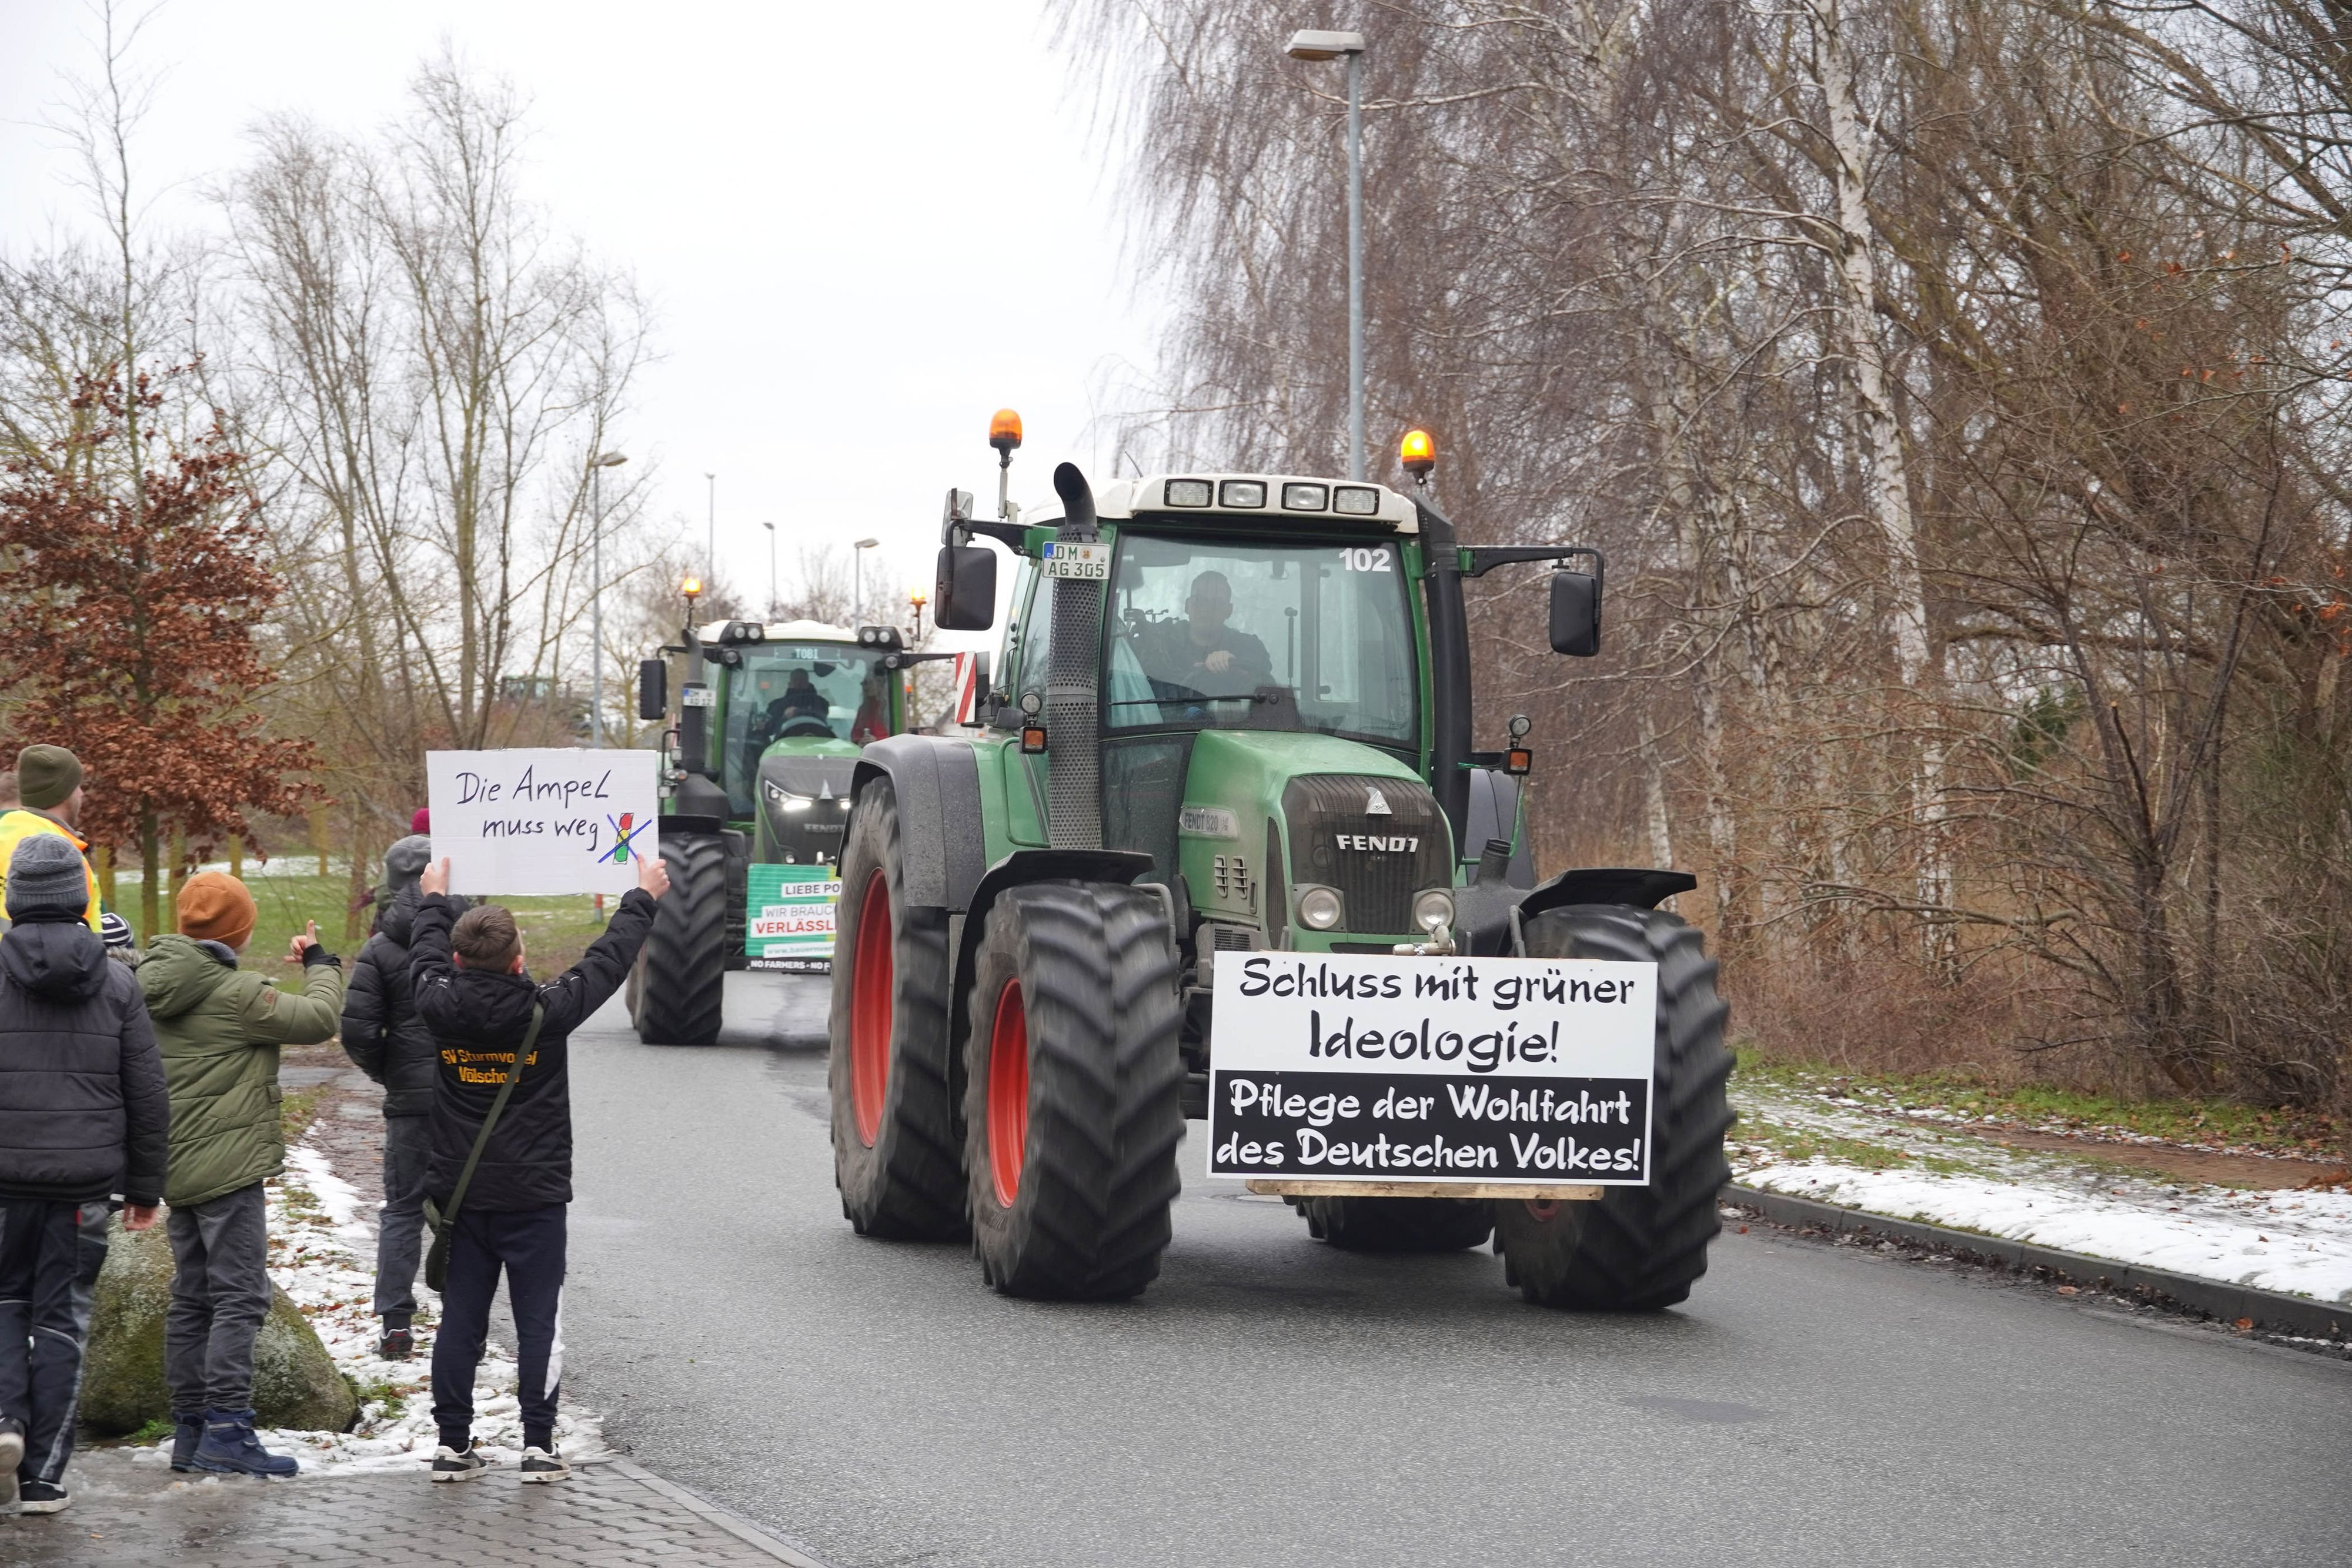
pixel 482 1138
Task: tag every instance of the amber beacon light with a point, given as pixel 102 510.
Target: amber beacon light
pixel 1418 453
pixel 1004 431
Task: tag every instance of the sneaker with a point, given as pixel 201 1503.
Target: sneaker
pixel 544 1465
pixel 12 1444
pixel 453 1465
pixel 230 1449
pixel 187 1435
pixel 398 1344
pixel 42 1497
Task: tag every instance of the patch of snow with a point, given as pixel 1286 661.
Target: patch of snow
pixel 322 1255
pixel 2299 1243
pixel 2292 1240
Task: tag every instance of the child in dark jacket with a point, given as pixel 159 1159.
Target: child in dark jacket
pixel 385 1040
pixel 473 992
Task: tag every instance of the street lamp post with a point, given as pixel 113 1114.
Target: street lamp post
pixel 771 569
pixel 597 466
pixel 710 553
pixel 1311 45
pixel 858 612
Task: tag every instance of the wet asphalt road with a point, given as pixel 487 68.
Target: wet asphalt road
pixel 1273 1401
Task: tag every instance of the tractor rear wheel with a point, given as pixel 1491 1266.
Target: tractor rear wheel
pixel 895 1149
pixel 1073 1097
pixel 1636 1249
pixel 678 991
pixel 1399 1224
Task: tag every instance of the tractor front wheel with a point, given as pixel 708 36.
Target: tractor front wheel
pixel 677 991
pixel 1636 1249
pixel 1399 1224
pixel 1072 1098
pixel 894 1153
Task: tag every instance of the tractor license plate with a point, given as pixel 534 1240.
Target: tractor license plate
pixel 699 697
pixel 1457 1071
pixel 1089 562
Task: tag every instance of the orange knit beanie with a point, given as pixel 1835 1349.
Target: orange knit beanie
pixel 215 908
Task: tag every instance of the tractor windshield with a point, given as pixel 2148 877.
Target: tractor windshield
pixel 1219 632
pixel 814 691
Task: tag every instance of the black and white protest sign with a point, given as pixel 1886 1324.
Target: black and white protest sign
pixel 543 819
pixel 1340 1067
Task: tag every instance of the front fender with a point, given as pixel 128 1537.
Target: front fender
pixel 941 836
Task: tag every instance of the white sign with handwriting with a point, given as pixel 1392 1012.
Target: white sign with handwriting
pixel 542 821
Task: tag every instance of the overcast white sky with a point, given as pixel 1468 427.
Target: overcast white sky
pixel 864 228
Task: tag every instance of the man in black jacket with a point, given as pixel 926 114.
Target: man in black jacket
pixel 512 1215
pixel 84 1115
pixel 385 1040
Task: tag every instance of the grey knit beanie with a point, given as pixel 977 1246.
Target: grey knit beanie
pixel 405 862
pixel 47 881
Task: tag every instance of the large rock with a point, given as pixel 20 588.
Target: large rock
pixel 295 1383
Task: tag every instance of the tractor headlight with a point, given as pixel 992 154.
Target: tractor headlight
pixel 1432 910
pixel 1318 908
pixel 783 799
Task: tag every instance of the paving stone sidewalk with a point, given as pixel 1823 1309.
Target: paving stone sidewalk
pixel 611 1512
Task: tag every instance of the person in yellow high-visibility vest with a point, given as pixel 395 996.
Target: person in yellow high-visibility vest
pixel 48 794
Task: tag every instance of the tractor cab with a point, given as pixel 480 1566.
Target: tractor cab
pixel 1282 725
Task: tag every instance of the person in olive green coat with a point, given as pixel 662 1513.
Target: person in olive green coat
pixel 220 1027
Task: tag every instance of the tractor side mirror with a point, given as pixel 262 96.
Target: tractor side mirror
pixel 1575 614
pixel 653 688
pixel 964 596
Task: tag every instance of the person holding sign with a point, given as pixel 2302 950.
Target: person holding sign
pixel 500 1177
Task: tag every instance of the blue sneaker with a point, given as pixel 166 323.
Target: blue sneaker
pixel 230 1449
pixel 187 1432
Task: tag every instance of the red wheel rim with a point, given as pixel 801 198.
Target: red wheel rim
pixel 1008 1093
pixel 869 1010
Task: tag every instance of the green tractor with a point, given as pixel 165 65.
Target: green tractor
pixel 1231 715
pixel 759 759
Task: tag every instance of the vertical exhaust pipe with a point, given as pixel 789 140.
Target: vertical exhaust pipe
pixel 1073 705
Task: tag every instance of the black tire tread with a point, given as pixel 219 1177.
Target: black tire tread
pixel 1098 983
pixel 1638 1249
pixel 910 1185
pixel 679 994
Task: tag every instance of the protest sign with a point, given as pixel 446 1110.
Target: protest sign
pixel 538 820
pixel 1340 1067
pixel 788 921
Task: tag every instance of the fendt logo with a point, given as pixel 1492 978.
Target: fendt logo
pixel 1383 843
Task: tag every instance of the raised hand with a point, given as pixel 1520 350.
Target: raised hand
pixel 436 878
pixel 653 875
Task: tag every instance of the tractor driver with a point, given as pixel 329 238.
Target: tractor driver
pixel 1200 653
pixel 801 700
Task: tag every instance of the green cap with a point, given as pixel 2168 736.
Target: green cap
pixel 46 775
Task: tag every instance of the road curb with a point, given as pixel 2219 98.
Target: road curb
pixel 2215 1298
pixel 741 1529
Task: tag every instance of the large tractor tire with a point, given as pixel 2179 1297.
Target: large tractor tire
pixel 1072 1098
pixel 677 991
pixel 1636 1249
pixel 896 1151
pixel 1399 1224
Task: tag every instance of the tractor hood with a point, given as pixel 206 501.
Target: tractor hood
pixel 1264 811
pixel 804 788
